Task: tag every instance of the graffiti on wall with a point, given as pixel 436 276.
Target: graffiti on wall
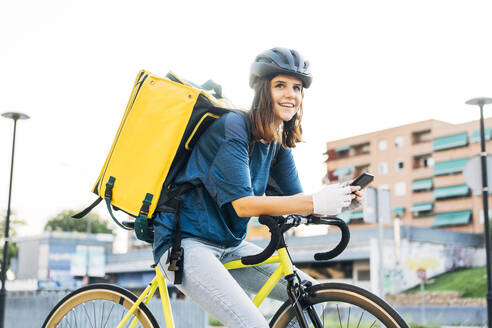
pixel 435 259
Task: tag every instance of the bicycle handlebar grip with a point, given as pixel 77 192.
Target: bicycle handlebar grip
pixel 343 241
pixel 272 225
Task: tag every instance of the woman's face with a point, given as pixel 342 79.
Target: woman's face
pixel 287 96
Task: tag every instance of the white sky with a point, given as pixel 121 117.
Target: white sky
pixel 70 65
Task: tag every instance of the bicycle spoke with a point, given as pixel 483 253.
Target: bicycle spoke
pixel 67 321
pixel 373 324
pixel 348 319
pixel 75 319
pixel 110 311
pixel 358 324
pixel 87 314
pixel 99 306
pixel 129 321
pixel 122 314
pixel 339 317
pixel 323 315
pixel 102 315
pixel 95 317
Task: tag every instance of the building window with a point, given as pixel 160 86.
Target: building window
pixel 339 152
pixel 421 136
pixel 383 144
pixel 400 188
pixel 328 270
pixel 398 166
pixel 399 142
pixel 422 185
pixel 360 149
pixel 359 169
pixel 342 154
pixel 364 275
pixel 383 168
pixel 422 209
pixel 422 161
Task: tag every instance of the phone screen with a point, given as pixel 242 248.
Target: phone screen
pixel 363 180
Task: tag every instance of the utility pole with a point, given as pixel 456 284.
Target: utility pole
pixel 377 208
pixel 3 293
pixel 485 198
pixel 87 254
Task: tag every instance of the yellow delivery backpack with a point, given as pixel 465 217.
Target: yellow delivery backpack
pixel 164 118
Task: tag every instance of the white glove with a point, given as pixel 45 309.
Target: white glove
pixel 331 199
pixel 355 203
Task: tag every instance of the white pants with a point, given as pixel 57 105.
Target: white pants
pixel 219 291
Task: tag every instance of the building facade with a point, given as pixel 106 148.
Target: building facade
pixel 422 164
pixel 57 259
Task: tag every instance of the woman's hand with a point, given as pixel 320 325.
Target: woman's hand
pixel 331 199
pixel 357 200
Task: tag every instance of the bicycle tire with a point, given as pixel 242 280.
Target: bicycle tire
pixel 77 308
pixel 340 301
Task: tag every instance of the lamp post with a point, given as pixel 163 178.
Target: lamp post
pixel 14 116
pixel 483 156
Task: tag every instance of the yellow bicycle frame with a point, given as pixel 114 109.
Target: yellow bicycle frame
pixel 285 268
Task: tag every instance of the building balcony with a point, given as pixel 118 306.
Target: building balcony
pixel 422 172
pixel 348 152
pixel 448 180
pixel 454 204
pixel 421 148
pixel 449 154
pixel 422 196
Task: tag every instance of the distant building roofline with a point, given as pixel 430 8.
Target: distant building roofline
pixel 103 237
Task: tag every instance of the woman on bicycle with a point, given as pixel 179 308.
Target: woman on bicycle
pixel 230 166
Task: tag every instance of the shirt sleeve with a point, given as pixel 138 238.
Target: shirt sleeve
pixel 284 179
pixel 229 177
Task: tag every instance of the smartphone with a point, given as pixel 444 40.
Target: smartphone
pixel 363 180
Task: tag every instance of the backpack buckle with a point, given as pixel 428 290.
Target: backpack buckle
pixel 108 192
pixel 176 259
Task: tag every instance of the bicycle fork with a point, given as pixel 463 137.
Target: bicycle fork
pixel 297 293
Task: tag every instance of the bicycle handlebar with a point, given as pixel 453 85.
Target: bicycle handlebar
pixel 275 226
pixel 343 241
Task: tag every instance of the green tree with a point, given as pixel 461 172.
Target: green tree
pixel 63 221
pixel 14 223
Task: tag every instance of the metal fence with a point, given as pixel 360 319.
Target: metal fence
pixel 445 315
pixel 28 311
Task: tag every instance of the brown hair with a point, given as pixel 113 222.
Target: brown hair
pixel 262 118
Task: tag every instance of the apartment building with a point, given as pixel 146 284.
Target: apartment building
pixel 422 164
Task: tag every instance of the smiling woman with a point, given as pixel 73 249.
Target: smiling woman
pixel 277 110
pixel 286 96
pixel 242 166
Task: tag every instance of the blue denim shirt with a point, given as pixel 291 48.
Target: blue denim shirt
pixel 220 164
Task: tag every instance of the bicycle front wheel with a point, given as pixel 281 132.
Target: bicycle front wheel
pixel 340 305
pixel 99 305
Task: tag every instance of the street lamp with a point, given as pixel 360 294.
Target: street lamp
pixel 483 156
pixel 14 116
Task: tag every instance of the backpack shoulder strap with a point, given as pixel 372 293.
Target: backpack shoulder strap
pixel 251 144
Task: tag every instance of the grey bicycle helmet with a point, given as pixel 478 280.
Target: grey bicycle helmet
pixel 277 61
